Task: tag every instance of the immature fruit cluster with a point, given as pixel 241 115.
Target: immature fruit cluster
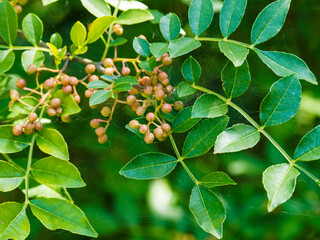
pixel 31 126
pixel 55 109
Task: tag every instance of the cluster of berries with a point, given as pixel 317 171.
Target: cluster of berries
pixel 96 123
pixel 29 127
pixel 17 5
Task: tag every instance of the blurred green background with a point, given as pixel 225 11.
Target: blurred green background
pixel 120 208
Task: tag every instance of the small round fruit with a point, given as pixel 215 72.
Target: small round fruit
pixel 143 129
pixel 29 126
pixel 142 37
pixel 134 91
pixel 74 81
pixel 93 78
pixel 21 83
pixel 169 89
pixel 105 111
pixel 166 127
pixel 146 81
pixel 178 105
pixel 165 82
pixel 140 111
pixel 65 80
pixel 125 71
pixel 38 126
pixel 117 29
pixel 160 95
pixel 14 95
pixel 88 93
pixel 90 68
pixel 23 2
pixel 109 71
pixel 52 112
pixel 151 117
pixel 32 116
pixel 162 76
pixel 134 124
pixel 76 98
pixel 108 62
pixel 17 130
pixel 66 118
pixel 67 89
pixel 148 90
pixel 149 138
pixel 95 123
pixel 49 83
pixel 166 108
pixel 158 87
pixel 59 111
pixel 166 61
pixel 100 131
pixel 18 9
pixel 135 106
pixel 55 102
pixel 32 69
pixel 131 99
pixel 158 132
pixel 103 139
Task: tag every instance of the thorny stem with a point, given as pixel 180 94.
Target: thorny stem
pixel 260 129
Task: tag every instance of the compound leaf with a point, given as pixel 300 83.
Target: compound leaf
pixel 9 22
pixel 200 15
pixel 181 46
pixel 98 8
pixel 236 53
pixel 32 28
pixel 10 177
pixel 170 26
pixel 191 70
pixel 10 143
pixel 308 148
pixel 184 121
pixel 216 179
pixel 209 106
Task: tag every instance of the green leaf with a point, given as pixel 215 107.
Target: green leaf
pixel 118 42
pixel 9 23
pixel 29 57
pixel 6 60
pixel 282 102
pixel 279 181
pixel 127 79
pixel 98 27
pixel 98 8
pixel 170 26
pixel 98 84
pixel 236 80
pixel 127 4
pixel 208 210
pixel 202 138
pixel 157 15
pixel 10 143
pixel 32 28
pixel 55 172
pixel 122 87
pixel 10 176
pixel 231 15
pixel 56 40
pixel 191 70
pixel 237 138
pixel 47 2
pixel 18 107
pixel 134 16
pixel 149 166
pixel 209 106
pixel 216 179
pixel 68 105
pixel 285 64
pixel 236 53
pixel 50 141
pixel 14 221
pixel 183 121
pixel 184 89
pixel 181 46
pixel 78 34
pixel 108 78
pixel 141 46
pixel 149 65
pixel 308 148
pixel 159 49
pixel 269 21
pixel 60 214
pixel 99 97
pixel 200 15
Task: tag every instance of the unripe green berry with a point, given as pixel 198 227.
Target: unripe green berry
pixel 105 111
pixel 32 116
pixel 32 69
pixel 149 138
pixel 100 131
pixel 160 95
pixel 143 129
pixel 108 63
pixel 55 102
pixel 178 105
pixel 17 130
pixel 131 99
pixel 90 68
pixel 67 89
pixel 21 83
pixel 151 117
pixel 166 108
pixel 103 139
pixel 14 95
pixel 95 123
pixel 134 124
pixel 66 118
pixel 38 126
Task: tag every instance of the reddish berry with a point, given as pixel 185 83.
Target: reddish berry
pixel 160 95
pixel 166 61
pixel 32 116
pixel 17 130
pixel 21 83
pixel 90 68
pixel 18 9
pixel 32 69
pixel 134 91
pixel 151 117
pixel 158 132
pixel 67 89
pixel 143 129
pixel 100 131
pixel 109 71
pixel 108 62
pixel 59 111
pixel 158 87
pixel 166 108
pixel 140 111
pixel 149 138
pixel 88 93
pixel 165 82
pixel 74 81
pixel 76 98
pixel 169 89
pixel 143 37
pixel 103 139
pixel 93 78
pixel 134 124
pixel 55 102
pixel 162 76
pixel 146 81
pixel 166 127
pixel 135 106
pixel 38 126
pixel 117 29
pixel 125 71
pixel 95 123
pixel 14 95
pixel 66 118
pixel 52 112
pixel 148 90
pixel 65 80
pixel 131 99
pixel 49 83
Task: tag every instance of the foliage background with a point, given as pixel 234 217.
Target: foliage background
pixel 121 208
